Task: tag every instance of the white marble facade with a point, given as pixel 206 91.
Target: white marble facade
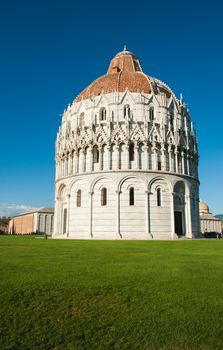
pixel 127 167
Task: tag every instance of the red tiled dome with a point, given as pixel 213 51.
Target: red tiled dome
pixel 124 72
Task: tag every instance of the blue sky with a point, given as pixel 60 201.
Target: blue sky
pixel 51 50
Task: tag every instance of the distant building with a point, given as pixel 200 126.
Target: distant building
pixel 210 225
pixel 38 221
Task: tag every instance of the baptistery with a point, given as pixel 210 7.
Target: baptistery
pixel 126 160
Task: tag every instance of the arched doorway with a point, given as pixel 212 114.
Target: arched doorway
pixel 179 209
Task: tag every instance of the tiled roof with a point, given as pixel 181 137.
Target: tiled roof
pixel 124 72
pixel 40 210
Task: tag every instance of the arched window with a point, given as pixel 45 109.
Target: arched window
pixel 81 120
pixel 131 152
pixel 158 197
pixel 127 111
pixel 131 196
pixel 102 114
pixel 104 196
pixel 79 198
pixel 151 114
pixel 95 154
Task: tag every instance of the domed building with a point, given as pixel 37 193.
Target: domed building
pixel 126 160
pixel 210 225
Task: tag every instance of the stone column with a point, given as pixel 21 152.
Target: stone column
pixel 71 163
pixel 176 160
pixel 90 158
pixel 56 217
pixel 76 162
pixel 150 158
pixel 188 216
pixel 68 164
pixel 182 161
pixel 170 157
pixel 188 164
pixel 154 158
pixel 127 156
pixel 82 161
pixel 163 163
pixel 68 215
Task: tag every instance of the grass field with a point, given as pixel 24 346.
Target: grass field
pixel 110 294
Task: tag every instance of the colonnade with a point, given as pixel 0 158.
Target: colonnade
pixel 119 156
pixel 45 223
pixel 210 225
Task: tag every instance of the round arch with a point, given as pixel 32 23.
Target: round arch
pixel 92 186
pixel 160 178
pixel 128 177
pixel 186 184
pixel 62 189
pixel 80 178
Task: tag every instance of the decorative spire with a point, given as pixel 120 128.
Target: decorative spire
pixel 181 98
pixel 125 48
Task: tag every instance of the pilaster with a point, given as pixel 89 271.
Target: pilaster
pixel 68 215
pixel 91 212
pixel 172 216
pixel 188 217
pixel 118 214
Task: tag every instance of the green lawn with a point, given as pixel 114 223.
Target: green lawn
pixel 110 294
